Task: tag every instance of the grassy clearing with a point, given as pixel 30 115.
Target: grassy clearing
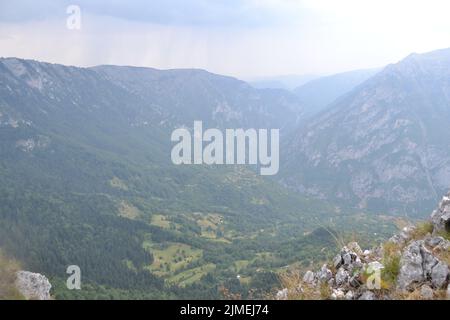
pixel 211 225
pixel 127 210
pixel 172 257
pixel 192 275
pixel 240 264
pixel 160 221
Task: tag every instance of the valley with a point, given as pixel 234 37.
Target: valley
pixel 87 177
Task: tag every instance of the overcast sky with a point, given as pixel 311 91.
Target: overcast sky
pixel 243 38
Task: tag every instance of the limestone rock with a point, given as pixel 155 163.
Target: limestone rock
pixel 426 292
pixel 441 217
pixel 429 261
pixel 439 275
pixel 349 295
pixel 33 286
pixel 338 294
pixel 282 294
pixel 341 277
pixel 367 295
pixel 325 274
pixel 308 277
pixel 411 270
pixel 337 261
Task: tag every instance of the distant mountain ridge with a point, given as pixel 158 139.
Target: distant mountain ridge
pixel 317 94
pixel 286 82
pixel 384 146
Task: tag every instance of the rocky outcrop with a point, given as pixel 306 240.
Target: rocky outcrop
pixel 420 265
pixel 441 217
pixel 422 259
pixel 33 286
pixel 413 264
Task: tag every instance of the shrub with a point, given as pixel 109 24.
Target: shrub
pixel 391 263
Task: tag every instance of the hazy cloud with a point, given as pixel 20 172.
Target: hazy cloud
pixel 247 38
pixel 166 12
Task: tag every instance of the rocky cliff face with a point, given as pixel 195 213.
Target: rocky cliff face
pixel 384 146
pixel 33 286
pixel 411 265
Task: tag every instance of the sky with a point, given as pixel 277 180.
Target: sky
pixel 248 39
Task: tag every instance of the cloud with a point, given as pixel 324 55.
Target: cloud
pixel 248 38
pixel 246 13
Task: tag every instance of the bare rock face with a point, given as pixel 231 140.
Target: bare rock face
pixel 441 217
pixel 411 270
pixel 418 265
pixel 439 274
pixel 33 286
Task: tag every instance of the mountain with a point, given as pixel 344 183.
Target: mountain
pixel 287 82
pixel 317 94
pixel 182 96
pixel 384 146
pixel 87 180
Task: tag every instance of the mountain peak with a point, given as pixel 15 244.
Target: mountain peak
pixel 382 146
pixel 434 63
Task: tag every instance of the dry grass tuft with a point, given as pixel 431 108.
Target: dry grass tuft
pixel 298 290
pixel 422 229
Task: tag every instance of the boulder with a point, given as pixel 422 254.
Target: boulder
pixel 411 270
pixel 441 216
pixel 434 241
pixel 33 286
pixel 341 277
pixel 337 261
pixel 367 295
pixel 308 277
pixel 428 261
pixel 282 294
pixel 349 295
pixel 338 294
pixel 347 259
pixel 325 274
pixel 439 274
pixel 426 292
pixel 404 235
